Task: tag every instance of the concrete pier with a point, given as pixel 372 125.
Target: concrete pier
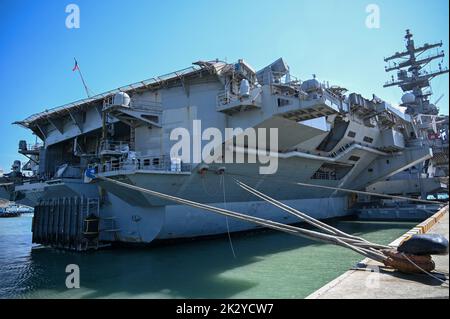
pixel 372 280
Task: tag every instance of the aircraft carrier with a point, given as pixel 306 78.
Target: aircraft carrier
pixel 327 136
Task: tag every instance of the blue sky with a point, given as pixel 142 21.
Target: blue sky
pixel 120 42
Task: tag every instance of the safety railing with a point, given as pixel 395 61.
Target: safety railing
pixel 114 146
pixel 225 98
pixel 135 103
pixel 325 176
pixel 34 146
pixel 342 149
pixel 146 163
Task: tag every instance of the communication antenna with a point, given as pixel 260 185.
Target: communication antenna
pixel 411 76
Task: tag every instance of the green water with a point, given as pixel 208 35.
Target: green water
pixel 268 265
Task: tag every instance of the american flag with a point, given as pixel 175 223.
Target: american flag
pixel 76 66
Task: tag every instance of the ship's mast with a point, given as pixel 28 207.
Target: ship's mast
pixel 411 77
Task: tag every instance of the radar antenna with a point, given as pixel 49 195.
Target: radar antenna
pixel 411 76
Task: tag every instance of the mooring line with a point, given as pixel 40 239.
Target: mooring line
pixel 444 282
pixel 312 235
pixel 360 242
pixel 308 219
pixel 286 181
pixel 226 217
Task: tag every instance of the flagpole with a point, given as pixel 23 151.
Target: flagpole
pixel 82 78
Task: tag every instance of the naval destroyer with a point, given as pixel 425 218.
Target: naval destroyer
pixel 326 136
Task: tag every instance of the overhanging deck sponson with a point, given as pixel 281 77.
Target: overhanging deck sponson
pixel 153 83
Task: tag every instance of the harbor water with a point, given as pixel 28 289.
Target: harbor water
pixel 268 264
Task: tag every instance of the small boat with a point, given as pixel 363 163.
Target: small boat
pixel 11 211
pixel 6 213
pixel 21 209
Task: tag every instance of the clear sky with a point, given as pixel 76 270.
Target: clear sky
pixel 120 42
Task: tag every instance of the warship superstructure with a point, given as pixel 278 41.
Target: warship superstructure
pixel 325 137
pixel 429 178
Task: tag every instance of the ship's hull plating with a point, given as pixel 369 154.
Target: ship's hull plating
pixel 145 224
pixel 143 218
pixel 140 218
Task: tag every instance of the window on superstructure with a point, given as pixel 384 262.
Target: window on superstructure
pixel 367 139
pixel 354 158
pixel 332 171
pixel 283 102
pixel 351 134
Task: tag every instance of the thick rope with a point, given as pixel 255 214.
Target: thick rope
pixel 361 242
pixel 345 242
pixel 444 282
pixel 222 180
pixel 310 220
pixel 286 181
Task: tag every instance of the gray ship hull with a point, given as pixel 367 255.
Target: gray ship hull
pixel 144 217
pixel 146 224
pixel 141 218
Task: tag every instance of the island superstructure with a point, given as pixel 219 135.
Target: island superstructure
pixel 413 77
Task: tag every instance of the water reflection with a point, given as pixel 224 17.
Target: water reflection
pixel 267 265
